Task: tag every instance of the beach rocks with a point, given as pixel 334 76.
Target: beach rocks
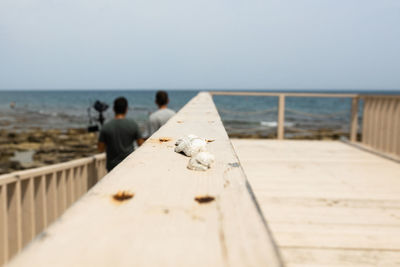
pixel 49 147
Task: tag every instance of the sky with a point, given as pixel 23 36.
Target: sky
pixel 200 44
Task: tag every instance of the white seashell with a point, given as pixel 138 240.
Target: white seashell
pixel 201 161
pixel 190 145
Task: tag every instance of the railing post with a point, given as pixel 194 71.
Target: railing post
pixel 40 203
pixel 28 210
pixel 3 225
pixel 14 218
pixel 354 119
pixel 281 117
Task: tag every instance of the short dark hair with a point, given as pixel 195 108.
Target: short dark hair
pixel 120 105
pixel 162 98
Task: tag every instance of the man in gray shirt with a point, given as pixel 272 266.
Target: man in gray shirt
pixel 117 136
pixel 162 115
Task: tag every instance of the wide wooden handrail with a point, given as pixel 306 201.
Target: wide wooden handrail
pixel 32 199
pixel 157 221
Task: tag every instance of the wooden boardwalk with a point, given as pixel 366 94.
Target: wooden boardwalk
pixel 326 203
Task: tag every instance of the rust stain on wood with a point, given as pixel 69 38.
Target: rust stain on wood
pixel 121 196
pixel 204 199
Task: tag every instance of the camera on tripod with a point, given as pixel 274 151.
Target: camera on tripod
pixel 96 122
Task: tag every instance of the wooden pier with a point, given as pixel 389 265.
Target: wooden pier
pixel 273 202
pixel 327 203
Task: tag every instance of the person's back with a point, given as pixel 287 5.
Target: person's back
pixel 117 136
pixel 162 115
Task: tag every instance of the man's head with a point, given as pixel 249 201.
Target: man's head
pixel 120 105
pixel 162 98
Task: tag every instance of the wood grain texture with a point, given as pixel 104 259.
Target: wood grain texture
pixel 162 224
pixel 327 203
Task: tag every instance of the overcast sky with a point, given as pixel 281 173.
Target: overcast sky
pixel 249 44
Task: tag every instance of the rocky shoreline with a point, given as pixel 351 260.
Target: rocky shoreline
pixel 20 150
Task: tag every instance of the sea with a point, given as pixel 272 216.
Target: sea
pixel 243 116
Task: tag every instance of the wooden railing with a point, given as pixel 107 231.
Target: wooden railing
pixel 381 123
pixel 30 200
pixel 151 210
pixel 281 107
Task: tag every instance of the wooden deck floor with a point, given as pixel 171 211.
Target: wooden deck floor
pixel 327 203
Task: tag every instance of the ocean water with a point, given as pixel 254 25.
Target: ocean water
pixel 242 115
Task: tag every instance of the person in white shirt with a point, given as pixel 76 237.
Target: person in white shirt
pixel 162 115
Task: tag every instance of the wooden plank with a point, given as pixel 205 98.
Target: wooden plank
pixel 317 257
pixel 327 200
pixel 163 225
pixel 3 225
pixel 330 236
pixel 28 211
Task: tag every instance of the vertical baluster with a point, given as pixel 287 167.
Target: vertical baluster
pixel 81 176
pixel 91 174
pixel 70 187
pixel 77 186
pixel 40 203
pixel 28 210
pixel 396 137
pixel 383 124
pixel 365 121
pixel 51 197
pixel 375 122
pixel 390 125
pixel 281 117
pixel 379 123
pixel 98 170
pixel 369 117
pixel 3 225
pixel 372 121
pixel 354 119
pixel 14 218
pixel 85 177
pixel 387 125
pixel 61 192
